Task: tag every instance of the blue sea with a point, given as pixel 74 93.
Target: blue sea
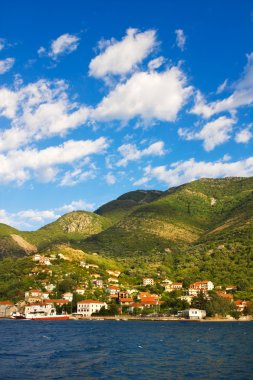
pixel 125 350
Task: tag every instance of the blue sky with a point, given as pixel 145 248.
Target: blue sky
pixel 100 98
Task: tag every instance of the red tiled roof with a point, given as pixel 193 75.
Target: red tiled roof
pixel 224 295
pixel 126 299
pixel 6 303
pixel 56 301
pixel 35 290
pixel 90 301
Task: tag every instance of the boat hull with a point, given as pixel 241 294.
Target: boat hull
pixel 50 318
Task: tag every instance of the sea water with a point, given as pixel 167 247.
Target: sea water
pixel 125 350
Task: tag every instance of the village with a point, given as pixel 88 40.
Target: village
pixel 104 294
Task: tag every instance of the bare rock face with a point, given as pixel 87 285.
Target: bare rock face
pixel 28 248
pixel 81 223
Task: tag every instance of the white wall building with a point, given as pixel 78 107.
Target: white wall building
pixel 200 287
pixel 148 281
pixel 68 296
pixel 87 307
pixel 193 313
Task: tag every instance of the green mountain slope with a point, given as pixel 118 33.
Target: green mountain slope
pixel 180 228
pixel 126 203
pixel 70 227
pixel 200 229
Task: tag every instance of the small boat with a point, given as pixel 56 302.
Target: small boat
pixel 17 315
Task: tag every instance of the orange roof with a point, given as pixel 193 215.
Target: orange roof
pixel 149 302
pixel 90 301
pixel 56 301
pixel 224 295
pixel 136 304
pixel 241 302
pixel 126 299
pixel 9 303
pixel 35 290
pixel 145 294
pixel 113 287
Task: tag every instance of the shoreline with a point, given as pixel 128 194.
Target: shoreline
pixel 157 319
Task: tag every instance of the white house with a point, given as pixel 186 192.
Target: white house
pixel 173 286
pixel 98 283
pixel 148 281
pixel 68 296
pixel 114 273
pixel 200 287
pixel 193 313
pixel 113 289
pixel 80 291
pixel 88 307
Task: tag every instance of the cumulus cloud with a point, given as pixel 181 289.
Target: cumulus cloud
pixel 244 136
pixel 34 218
pixel 6 65
pixel 63 45
pixel 19 165
pixel 76 205
pixel 242 95
pixel 72 178
pixel 214 133
pixel 120 57
pixel 180 38
pixel 156 63
pixel 186 171
pixel 110 178
pixel 131 153
pixel 38 110
pixel 146 95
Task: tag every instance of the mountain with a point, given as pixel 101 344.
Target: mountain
pixel 196 230
pixel 69 228
pixel 126 203
pixel 185 228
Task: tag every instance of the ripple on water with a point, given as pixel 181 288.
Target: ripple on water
pixel 134 350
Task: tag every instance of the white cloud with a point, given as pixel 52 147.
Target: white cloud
pixel 222 87
pixel 42 51
pixel 38 110
pixel 131 153
pixel 6 65
pixel 244 136
pixel 120 57
pixel 186 171
pixel 72 178
pixel 76 205
pixel 63 45
pixel 110 179
pixel 180 38
pixel 214 133
pixel 147 95
pixel 241 96
pixel 34 218
pixel 19 165
pixel 156 63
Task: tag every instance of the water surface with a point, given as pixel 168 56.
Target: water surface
pixel 125 350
